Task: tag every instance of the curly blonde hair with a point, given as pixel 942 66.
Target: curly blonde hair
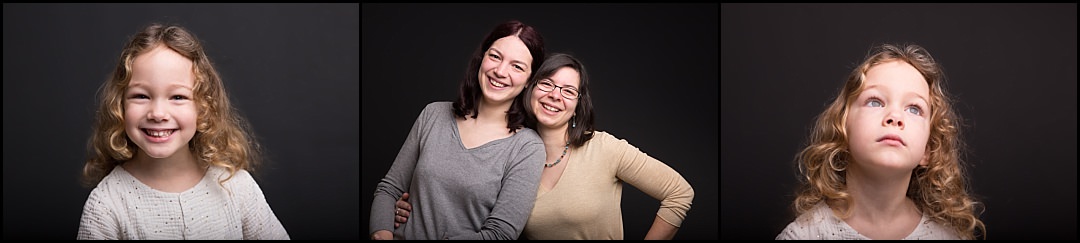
pixel 939 188
pixel 222 138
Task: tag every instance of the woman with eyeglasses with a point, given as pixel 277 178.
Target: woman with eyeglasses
pixel 580 190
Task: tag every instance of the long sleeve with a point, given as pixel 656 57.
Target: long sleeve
pixel 259 221
pixel 98 221
pixel 396 182
pixel 654 178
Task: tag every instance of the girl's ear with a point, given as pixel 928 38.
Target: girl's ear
pixel 925 160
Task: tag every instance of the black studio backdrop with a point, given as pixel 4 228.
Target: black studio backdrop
pixel 1011 68
pixel 652 70
pixel 291 69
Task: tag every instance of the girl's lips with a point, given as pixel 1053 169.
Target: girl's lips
pixel 157 139
pixel 892 139
pixel 892 142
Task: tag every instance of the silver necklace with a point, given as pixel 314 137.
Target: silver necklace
pixel 567 147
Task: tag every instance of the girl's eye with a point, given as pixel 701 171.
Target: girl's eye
pixel 178 97
pixel 140 96
pixel 874 103
pixel 492 55
pixel 914 110
pixel 519 68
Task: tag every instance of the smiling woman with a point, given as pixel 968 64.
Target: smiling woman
pixel 472 161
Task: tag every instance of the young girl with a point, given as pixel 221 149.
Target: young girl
pixel 168 154
pixel 884 158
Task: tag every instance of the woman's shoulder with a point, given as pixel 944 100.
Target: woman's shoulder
pixel 438 106
pixel 527 134
pixel 436 111
pixel 524 138
pixel 605 136
pixel 602 140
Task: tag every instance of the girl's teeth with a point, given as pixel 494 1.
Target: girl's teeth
pixel 497 84
pixel 165 133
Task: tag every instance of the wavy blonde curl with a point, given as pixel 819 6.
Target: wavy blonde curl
pixel 222 138
pixel 940 189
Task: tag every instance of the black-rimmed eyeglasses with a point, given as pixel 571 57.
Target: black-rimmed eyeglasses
pixel 567 92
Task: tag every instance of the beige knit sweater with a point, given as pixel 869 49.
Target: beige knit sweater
pixel 586 203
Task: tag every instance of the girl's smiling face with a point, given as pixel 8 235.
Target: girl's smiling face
pixel 159 113
pixel 889 122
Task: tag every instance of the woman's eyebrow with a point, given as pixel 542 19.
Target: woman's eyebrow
pixel 515 60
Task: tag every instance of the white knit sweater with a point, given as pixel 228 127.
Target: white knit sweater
pixel 821 224
pixel 122 207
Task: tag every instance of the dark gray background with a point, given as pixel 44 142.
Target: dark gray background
pixel 1012 68
pixel 291 69
pixel 653 76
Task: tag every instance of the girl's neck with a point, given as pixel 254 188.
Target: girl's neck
pixel 879 198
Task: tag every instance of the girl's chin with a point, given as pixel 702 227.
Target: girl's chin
pixel 159 153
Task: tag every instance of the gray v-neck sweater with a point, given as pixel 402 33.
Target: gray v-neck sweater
pixel 486 192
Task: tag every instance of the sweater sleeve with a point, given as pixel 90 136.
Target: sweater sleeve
pixel 652 177
pixel 396 181
pixel 98 220
pixel 260 222
pixel 517 194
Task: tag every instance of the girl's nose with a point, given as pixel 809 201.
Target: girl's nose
pixel 157 114
pixel 893 121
